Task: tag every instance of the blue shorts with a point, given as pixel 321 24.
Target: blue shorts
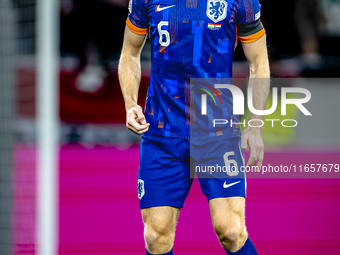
pixel 168 165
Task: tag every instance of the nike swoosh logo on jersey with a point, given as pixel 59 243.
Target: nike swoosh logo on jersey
pixel 229 185
pixel 159 8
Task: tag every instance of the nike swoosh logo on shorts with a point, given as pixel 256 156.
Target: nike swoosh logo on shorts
pixel 159 9
pixel 229 185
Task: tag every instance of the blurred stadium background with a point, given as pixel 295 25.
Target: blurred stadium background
pixel 98 158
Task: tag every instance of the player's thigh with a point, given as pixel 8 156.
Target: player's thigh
pixel 164 172
pixel 228 214
pixel 161 219
pixel 219 165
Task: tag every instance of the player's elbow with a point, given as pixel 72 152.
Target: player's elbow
pixel 259 70
pixel 126 63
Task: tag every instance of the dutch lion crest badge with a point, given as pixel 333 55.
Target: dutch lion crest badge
pixel 217 10
pixel 140 187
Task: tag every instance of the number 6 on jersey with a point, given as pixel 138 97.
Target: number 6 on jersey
pixel 163 32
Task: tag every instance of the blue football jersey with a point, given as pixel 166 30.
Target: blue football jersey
pixel 192 39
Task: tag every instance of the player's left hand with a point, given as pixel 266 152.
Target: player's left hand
pixel 251 138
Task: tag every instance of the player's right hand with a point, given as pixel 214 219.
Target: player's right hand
pixel 135 120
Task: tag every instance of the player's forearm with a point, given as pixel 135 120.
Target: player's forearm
pixel 129 73
pixel 260 83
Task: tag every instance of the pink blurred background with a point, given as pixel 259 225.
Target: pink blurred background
pixel 99 212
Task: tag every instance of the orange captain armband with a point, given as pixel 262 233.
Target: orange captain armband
pixel 135 29
pixel 253 37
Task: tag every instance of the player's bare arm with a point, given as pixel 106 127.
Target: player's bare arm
pixel 129 72
pixel 257 56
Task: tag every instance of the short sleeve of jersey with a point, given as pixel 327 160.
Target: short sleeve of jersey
pixel 249 26
pixel 137 20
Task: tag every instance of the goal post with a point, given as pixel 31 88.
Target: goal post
pixel 47 125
